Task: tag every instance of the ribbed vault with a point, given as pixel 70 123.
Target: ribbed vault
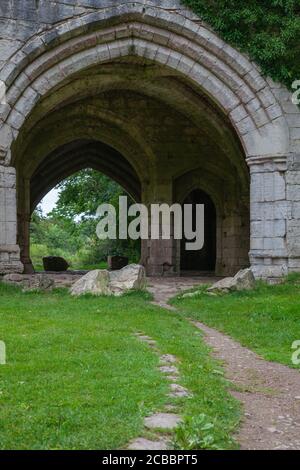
pixel 78 155
pixel 232 82
pixel 148 128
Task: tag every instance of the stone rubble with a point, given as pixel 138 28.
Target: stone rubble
pixel 243 280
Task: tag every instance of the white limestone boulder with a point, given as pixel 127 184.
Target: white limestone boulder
pixel 131 277
pixel 103 282
pixel 243 280
pixel 95 282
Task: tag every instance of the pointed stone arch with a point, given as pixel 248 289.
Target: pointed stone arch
pixel 225 75
pixel 259 112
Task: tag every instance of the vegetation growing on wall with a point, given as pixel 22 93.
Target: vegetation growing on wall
pixel 268 30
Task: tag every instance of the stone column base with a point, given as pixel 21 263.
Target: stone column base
pixel 28 266
pixel 161 271
pixel 269 266
pixel 10 260
pixel 158 258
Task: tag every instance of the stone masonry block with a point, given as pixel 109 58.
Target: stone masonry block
pixel 293 192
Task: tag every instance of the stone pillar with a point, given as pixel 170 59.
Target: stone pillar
pixel 159 256
pixel 24 219
pixel 234 235
pixel 269 216
pixel 9 250
pixel 293 223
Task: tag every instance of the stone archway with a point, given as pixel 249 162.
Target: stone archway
pixel 60 164
pixel 73 80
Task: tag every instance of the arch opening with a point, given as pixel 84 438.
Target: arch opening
pixel 68 228
pixel 201 261
pixel 151 130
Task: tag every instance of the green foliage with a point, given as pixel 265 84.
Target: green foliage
pixel 268 30
pixel 70 229
pixel 197 432
pixel 59 236
pixel 82 193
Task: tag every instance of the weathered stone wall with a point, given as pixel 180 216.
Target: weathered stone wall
pixel 151 81
pixel 274 197
pixel 9 250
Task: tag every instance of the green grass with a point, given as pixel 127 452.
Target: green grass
pixel 77 378
pixel 267 319
pixel 78 261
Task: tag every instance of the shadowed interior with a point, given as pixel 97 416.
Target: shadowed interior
pixel 157 135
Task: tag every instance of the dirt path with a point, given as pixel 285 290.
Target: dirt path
pixel 269 392
pixel 163 289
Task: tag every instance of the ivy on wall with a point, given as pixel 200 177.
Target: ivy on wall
pixel 267 30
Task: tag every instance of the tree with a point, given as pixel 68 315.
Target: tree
pixel 268 30
pixel 81 194
pixel 71 227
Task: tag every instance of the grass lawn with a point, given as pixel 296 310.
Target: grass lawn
pixel 267 319
pixel 77 378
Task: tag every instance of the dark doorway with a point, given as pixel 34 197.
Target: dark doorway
pixel 204 259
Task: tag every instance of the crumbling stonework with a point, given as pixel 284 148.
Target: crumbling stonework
pixel 145 92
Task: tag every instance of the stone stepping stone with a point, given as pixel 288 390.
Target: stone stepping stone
pixel 168 359
pixel 172 378
pixel 145 444
pixel 169 370
pixel 163 421
pixel 177 391
pixel 170 407
pixel 144 338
